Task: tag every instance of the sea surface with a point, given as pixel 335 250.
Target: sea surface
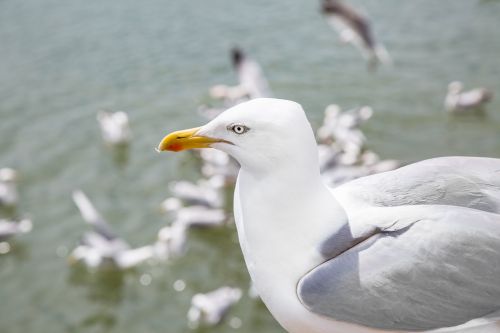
pixel 63 61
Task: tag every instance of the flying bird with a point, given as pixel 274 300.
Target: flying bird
pixel 458 101
pixel 354 28
pixel 414 249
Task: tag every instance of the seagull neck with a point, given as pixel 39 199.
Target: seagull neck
pixel 289 190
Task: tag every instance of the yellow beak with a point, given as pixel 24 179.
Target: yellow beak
pixel 186 139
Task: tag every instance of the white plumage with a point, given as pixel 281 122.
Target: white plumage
pixel 115 127
pixel 102 248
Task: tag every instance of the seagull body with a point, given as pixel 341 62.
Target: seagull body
pixel 251 81
pixel 210 308
pixel 115 128
pixel 172 241
pixel 8 187
pixel 9 228
pixel 416 249
pixel 354 28
pixel 457 101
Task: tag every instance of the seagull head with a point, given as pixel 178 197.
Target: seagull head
pixel 261 133
pixel 455 87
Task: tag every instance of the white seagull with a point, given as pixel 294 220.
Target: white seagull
pixel 457 101
pixel 416 249
pixel 115 127
pixel 354 28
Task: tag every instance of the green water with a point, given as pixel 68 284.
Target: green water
pixel 62 61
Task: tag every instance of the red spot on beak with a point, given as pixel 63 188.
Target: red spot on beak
pixel 175 147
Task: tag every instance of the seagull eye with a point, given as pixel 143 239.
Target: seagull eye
pixel 238 128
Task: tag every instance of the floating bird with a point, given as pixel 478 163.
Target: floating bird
pixel 354 28
pixel 171 241
pixel 8 187
pixel 252 82
pixel 457 101
pixel 196 216
pixel 414 249
pixel 102 248
pixel 204 193
pixel 210 308
pixel 10 228
pixel 115 128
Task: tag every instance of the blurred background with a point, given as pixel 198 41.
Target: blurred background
pixel 63 61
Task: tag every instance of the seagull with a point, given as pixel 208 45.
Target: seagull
pixel 171 241
pixel 210 308
pixel 416 249
pixel 204 193
pixel 457 101
pixel 355 29
pixel 252 82
pixel 115 128
pixel 102 248
pixel 218 166
pixel 8 187
pixel 10 228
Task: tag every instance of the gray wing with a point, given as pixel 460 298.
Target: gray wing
pixel 471 182
pixel 441 270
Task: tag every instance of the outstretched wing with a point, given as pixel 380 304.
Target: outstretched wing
pixel 439 268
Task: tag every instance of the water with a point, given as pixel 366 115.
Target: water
pixel 62 61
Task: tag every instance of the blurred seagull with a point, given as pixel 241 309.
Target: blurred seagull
pixel 210 308
pixel 196 216
pixel 203 193
pixel 9 228
pixel 8 187
pixel 218 166
pixel 355 29
pixel 115 128
pixel 457 101
pixel 171 241
pixel 101 247
pixel 252 82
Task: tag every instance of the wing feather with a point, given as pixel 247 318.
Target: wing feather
pixel 441 271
